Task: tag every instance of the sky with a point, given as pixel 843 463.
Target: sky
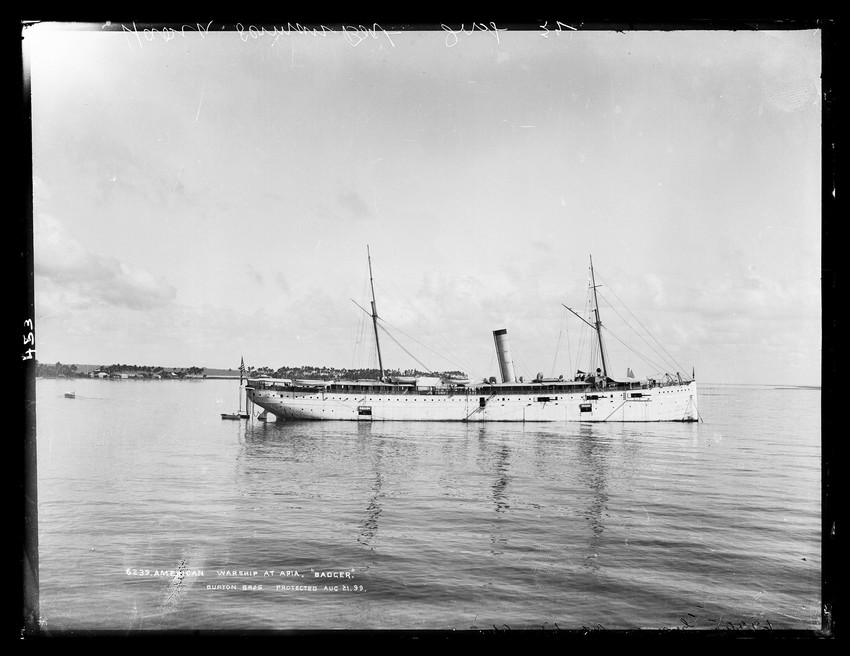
pixel 206 195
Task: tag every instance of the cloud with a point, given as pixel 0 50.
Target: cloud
pixel 281 281
pixel 67 270
pixel 354 203
pixel 255 275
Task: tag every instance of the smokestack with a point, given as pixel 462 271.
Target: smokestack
pixel 503 352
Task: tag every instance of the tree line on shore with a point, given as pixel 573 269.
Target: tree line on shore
pixel 331 373
pixel 60 370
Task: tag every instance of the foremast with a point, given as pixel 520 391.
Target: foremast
pixel 375 315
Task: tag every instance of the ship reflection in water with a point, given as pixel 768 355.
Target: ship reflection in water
pixel 594 451
pixel 369 526
pixel 340 462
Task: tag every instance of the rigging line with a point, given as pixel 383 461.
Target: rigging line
pixel 592 344
pixel 369 359
pixel 580 348
pixel 492 360
pixel 452 358
pixel 382 327
pixel 661 367
pixel 519 365
pixel 421 318
pixel 359 345
pixel 358 355
pixel 578 315
pixel 392 337
pixel 672 359
pixel 439 355
pixel 586 341
pixel 669 359
pixel 649 362
pixel 558 346
pixel 652 348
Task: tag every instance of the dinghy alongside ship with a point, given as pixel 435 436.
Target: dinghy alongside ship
pixel 599 397
pixel 240 414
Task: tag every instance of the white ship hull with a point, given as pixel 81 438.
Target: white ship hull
pixel 337 402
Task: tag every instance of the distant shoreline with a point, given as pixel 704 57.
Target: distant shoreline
pixel 146 372
pixel 135 377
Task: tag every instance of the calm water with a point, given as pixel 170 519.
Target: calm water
pixel 145 494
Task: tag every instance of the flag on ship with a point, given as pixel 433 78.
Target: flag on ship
pixel 242 366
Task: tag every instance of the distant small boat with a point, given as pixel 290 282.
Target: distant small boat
pixel 231 415
pixel 70 395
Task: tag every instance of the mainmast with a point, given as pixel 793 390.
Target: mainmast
pixel 598 320
pixel 375 314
